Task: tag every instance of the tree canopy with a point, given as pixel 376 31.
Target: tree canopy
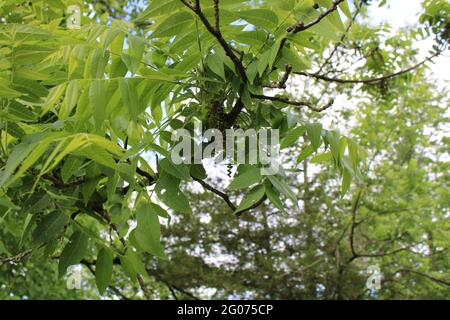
pixel 89 105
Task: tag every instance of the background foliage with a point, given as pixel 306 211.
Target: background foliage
pixel 86 120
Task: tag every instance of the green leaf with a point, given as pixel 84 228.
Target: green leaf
pixel 189 61
pixel 252 71
pixel 326 29
pixel 216 65
pixel 273 196
pixel 353 154
pixel 283 188
pixel 53 97
pixel 253 37
pixel 19 153
pixel 21 112
pixel 73 252
pixel 136 47
pixel 95 65
pixel 88 189
pixel 292 136
pixel 198 171
pixel 37 202
pixel 247 99
pixel 306 152
pixel 70 166
pixel 346 181
pixel 249 176
pixel 322 158
pixel 274 53
pixel 36 154
pixel 97 101
pixel 8 92
pixel 179 171
pixel 262 18
pixel 103 270
pixel 263 62
pixel 6 202
pixel 160 7
pixel 345 8
pixel 251 198
pixel 130 97
pixel 49 228
pixel 335 19
pixel 131 264
pixel 83 111
pixel 168 191
pixel 113 38
pixel 29 220
pixel 294 58
pixel 15 130
pixel 148 232
pixel 333 140
pixel 70 100
pixel 173 25
pixel 314 131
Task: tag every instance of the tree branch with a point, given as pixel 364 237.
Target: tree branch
pixel 226 198
pixel 217 15
pixel 354 225
pixel 104 215
pixel 367 81
pixel 17 258
pixel 221 194
pixel 256 205
pixel 215 31
pixel 239 106
pixel 300 26
pixel 440 281
pixel 282 83
pixel 376 255
pixel 113 288
pixel 307 104
pixel 171 286
pixel 232 116
pixel 150 178
pixel 143 287
pixel 352 21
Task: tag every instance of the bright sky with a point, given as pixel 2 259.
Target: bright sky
pixel 402 13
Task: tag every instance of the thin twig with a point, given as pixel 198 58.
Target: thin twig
pixel 354 225
pixel 300 26
pixel 307 104
pixel 150 178
pixel 256 205
pixel 232 116
pixel 440 281
pixel 113 288
pixel 338 44
pixel 282 83
pixel 367 81
pixel 17 258
pixel 218 35
pixel 217 15
pixel 226 198
pixel 143 287
pixel 221 194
